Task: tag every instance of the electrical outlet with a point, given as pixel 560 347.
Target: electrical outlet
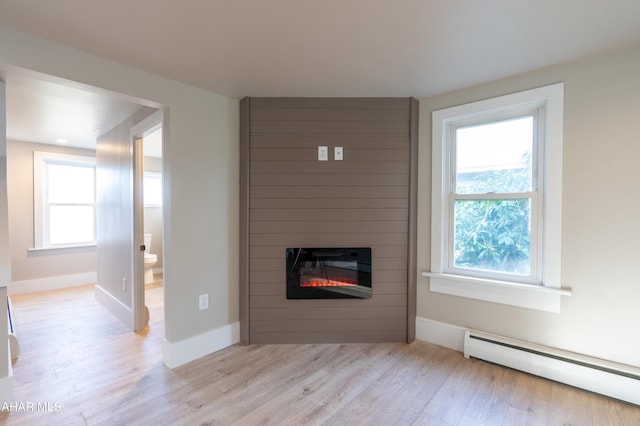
pixel 124 284
pixel 203 302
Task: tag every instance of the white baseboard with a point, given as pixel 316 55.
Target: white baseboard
pixel 178 353
pixel 51 283
pixel 440 333
pixel 593 374
pixel 116 307
pixel 580 373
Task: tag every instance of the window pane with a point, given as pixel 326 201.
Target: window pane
pixel 493 235
pixel 70 184
pixel 152 190
pixel 71 224
pixel 495 157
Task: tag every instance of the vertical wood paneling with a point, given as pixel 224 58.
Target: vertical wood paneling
pixel 293 200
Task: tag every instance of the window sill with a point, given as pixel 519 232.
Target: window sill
pixel 59 248
pixel 507 293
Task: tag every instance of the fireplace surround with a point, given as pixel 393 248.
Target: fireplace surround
pixel 364 199
pixel 328 273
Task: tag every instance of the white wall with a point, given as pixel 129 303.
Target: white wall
pixel 201 174
pixel 28 266
pixel 114 213
pixel 601 213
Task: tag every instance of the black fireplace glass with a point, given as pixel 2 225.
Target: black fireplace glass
pixel 328 273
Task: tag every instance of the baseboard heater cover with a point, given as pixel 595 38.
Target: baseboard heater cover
pixel 600 376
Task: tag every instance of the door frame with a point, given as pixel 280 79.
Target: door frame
pixel 137 134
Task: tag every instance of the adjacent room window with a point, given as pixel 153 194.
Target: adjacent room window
pixel 64 200
pixel 497 193
pixel 152 189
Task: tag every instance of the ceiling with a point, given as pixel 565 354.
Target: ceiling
pixel 414 48
pixel 46 112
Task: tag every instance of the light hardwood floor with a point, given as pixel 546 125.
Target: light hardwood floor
pixel 90 370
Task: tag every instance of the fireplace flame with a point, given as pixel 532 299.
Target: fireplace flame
pixel 323 282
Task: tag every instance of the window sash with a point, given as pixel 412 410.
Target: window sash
pixel 57 237
pixel 536 111
pixel 535 255
pixel 456 125
pixel 42 205
pixel 152 189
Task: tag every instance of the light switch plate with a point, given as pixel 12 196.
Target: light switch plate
pixel 323 153
pixel 337 153
pixel 203 302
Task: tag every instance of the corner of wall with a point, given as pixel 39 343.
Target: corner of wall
pixel 175 354
pixel 439 333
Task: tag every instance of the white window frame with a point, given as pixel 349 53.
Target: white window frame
pixel 40 210
pixel 542 290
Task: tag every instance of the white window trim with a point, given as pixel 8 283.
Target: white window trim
pixel 40 158
pixel 546 297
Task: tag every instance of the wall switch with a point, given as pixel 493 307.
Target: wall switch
pixel 203 302
pixel 124 284
pixel 323 153
pixel 337 153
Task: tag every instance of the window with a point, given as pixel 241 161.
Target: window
pixel 497 194
pixel 64 200
pixel 152 189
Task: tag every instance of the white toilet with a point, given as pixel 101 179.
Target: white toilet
pixel 149 260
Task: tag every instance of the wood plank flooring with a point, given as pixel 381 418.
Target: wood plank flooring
pixel 87 369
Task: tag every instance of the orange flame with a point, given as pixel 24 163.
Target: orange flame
pixel 322 282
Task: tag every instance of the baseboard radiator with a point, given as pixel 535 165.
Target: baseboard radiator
pixel 607 378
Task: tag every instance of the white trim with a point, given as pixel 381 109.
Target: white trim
pixel 491 288
pixel 597 375
pixel 553 151
pixel 115 306
pixel 51 283
pixel 148 125
pixel 581 376
pixel 178 353
pixel 62 247
pixel 440 333
pixel 515 294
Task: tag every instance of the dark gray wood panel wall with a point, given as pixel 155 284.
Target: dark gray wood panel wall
pixel 290 199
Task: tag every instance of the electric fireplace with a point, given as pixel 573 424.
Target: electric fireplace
pixel 328 273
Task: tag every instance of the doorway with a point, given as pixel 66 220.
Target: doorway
pixel 32 103
pixel 146 138
pixel 153 223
